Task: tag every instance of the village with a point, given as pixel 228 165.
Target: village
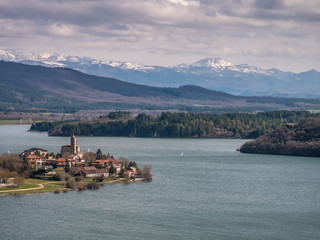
pixel 69 169
pixel 72 160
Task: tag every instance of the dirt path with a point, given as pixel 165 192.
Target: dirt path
pixel 21 190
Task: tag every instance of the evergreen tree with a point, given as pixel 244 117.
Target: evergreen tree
pixel 112 169
pixel 99 154
pixel 67 167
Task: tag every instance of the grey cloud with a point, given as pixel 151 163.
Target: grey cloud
pixel 270 4
pixel 119 26
pixel 237 26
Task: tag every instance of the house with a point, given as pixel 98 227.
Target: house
pixel 134 170
pixel 130 173
pixel 61 162
pixel 114 161
pixel 91 171
pixel 101 163
pixel 106 162
pixel 117 168
pixel 33 151
pixel 34 159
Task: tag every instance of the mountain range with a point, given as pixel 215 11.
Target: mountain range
pixel 30 88
pixel 211 73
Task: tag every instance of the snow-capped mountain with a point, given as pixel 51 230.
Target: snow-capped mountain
pixel 212 73
pixel 209 65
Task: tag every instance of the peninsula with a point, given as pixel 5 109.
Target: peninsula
pixel 176 125
pixel 36 170
pixel 302 139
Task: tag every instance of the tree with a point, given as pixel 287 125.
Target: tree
pixel 5 174
pixel 112 169
pixel 18 180
pixel 99 154
pixel 146 173
pixel 89 157
pixel 67 167
pixel 14 164
pixel 71 183
pixel 124 163
pixel 98 178
pixel 126 177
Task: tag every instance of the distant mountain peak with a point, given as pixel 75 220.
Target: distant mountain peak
pixel 214 73
pixel 212 63
pixel 59 60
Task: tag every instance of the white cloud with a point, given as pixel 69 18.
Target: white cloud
pixel 185 2
pixel 61 30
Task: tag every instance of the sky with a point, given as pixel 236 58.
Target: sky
pixel 283 34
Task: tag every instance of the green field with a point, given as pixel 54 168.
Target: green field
pixel 49 186
pixel 6 122
pixel 58 114
pixel 314 110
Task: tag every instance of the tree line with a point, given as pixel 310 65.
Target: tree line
pixel 300 139
pixel 179 125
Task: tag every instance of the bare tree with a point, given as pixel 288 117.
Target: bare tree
pixel 89 157
pixel 71 183
pixel 146 173
pixel 124 163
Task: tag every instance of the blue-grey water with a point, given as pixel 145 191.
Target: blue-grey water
pixel 211 192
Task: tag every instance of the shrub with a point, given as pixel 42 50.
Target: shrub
pixel 60 176
pixel 81 186
pixel 71 183
pixel 18 180
pixel 78 178
pixel 93 185
pixel 68 177
pixel 98 179
pixel 146 173
pixel 126 177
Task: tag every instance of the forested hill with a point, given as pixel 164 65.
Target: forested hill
pixel 302 139
pixel 177 125
pixel 26 88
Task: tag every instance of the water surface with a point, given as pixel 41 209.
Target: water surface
pixel 211 192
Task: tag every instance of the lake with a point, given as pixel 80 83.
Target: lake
pixel 211 192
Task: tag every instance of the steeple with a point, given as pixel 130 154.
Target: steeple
pixel 73 144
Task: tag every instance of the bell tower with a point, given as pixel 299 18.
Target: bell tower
pixel 73 144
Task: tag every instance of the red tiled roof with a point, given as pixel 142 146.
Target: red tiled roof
pixel 88 170
pixel 114 161
pixel 33 157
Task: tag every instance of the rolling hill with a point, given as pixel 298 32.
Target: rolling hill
pixel 37 88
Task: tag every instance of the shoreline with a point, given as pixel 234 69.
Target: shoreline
pixel 14 192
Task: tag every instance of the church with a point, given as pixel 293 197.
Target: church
pixel 71 148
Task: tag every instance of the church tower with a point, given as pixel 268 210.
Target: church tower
pixel 73 144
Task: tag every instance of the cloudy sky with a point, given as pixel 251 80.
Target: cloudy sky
pixel 267 33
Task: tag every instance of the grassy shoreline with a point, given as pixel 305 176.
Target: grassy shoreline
pixel 31 185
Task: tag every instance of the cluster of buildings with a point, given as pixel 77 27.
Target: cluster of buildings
pixel 72 157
